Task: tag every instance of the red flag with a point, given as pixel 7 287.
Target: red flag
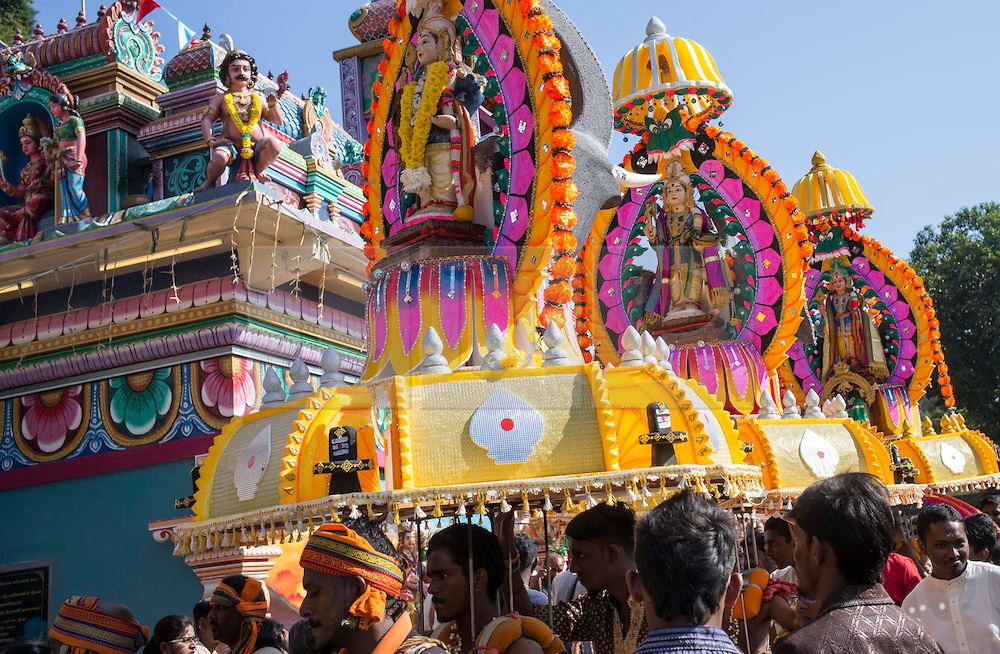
pixel 146 6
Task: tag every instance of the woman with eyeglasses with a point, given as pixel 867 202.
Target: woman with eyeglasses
pixel 173 634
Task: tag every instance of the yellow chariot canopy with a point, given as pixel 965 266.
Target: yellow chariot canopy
pixel 951 459
pixel 666 70
pixel 826 192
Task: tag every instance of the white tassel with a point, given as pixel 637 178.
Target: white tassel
pixel 547 504
pixel 243 535
pixel 418 513
pixel 504 507
pixel 225 539
pixel 461 512
pixel 355 512
pixel 589 501
pixel 209 540
pixel 262 536
pixel 177 547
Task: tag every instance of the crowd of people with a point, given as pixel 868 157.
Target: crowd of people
pixel 668 581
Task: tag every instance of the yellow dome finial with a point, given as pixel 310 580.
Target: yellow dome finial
pixel 818 160
pixel 828 192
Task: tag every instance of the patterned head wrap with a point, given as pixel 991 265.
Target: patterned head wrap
pixel 334 549
pixel 251 602
pixel 81 627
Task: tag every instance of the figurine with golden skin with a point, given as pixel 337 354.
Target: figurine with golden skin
pixel 18 222
pixel 241 109
pixel 687 253
pixel 850 335
pixel 434 126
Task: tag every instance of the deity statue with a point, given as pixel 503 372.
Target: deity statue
pixel 240 109
pixel 687 253
pixel 18 222
pixel 850 335
pixel 70 160
pixel 435 134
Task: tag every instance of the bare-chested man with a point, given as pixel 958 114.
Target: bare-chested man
pixel 240 109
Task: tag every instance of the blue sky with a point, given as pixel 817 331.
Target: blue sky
pixel 904 95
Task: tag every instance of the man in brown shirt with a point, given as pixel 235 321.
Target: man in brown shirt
pixel 601 544
pixel 842 527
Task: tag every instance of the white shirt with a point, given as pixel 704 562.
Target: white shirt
pixel 963 614
pixel 566 587
pixel 786 575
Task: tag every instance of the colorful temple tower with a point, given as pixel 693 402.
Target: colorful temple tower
pixel 140 314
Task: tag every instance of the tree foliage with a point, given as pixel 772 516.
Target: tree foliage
pixel 959 261
pixel 14 14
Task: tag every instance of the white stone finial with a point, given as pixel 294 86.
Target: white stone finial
pixel 555 355
pixel 829 408
pixel 648 348
pixel 767 409
pixel 631 342
pixel 812 405
pixel 433 362
pixel 301 383
pixel 330 363
pixel 663 355
pixel 496 342
pixel 274 393
pixel 841 406
pixel 525 344
pixel 655 27
pixel 791 411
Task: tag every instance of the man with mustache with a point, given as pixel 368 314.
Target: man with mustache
pixel 353 583
pixel 959 603
pixel 239 605
pixel 469 608
pixel 240 109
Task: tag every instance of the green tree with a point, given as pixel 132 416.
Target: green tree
pixel 959 261
pixel 15 14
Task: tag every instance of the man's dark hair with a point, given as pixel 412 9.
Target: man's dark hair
pixel 270 635
pixel 300 638
pixel 485 551
pixel 932 514
pixel 613 523
pixel 778 526
pixel 527 551
pixel 981 532
pixel 992 498
pixel 851 513
pixel 685 552
pixel 201 610
pixel 237 55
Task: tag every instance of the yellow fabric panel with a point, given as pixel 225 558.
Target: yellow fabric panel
pixel 224 500
pixel 438 411
pixel 931 447
pixel 785 436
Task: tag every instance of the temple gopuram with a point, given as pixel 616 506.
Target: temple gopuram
pixel 454 305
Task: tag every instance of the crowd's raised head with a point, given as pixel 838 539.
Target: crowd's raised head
pixel 778 544
pixel 239 604
pixel 844 522
pixel 448 564
pixel 981 532
pixel 601 543
pixel 527 552
pixel 685 556
pixel 88 624
pixel 352 580
pixel 942 535
pixel 173 634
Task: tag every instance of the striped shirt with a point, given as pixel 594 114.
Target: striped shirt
pixel 687 640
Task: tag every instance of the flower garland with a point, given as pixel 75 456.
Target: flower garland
pixel 247 128
pixel 414 131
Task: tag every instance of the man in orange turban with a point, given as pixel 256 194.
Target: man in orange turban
pixel 353 582
pixel 239 604
pixel 87 624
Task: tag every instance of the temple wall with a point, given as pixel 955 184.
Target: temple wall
pixel 94 530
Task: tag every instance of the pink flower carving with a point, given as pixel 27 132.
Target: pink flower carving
pixel 50 416
pixel 229 385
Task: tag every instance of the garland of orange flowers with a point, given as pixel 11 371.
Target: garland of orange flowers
pixel 562 217
pixel 933 332
pixel 413 132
